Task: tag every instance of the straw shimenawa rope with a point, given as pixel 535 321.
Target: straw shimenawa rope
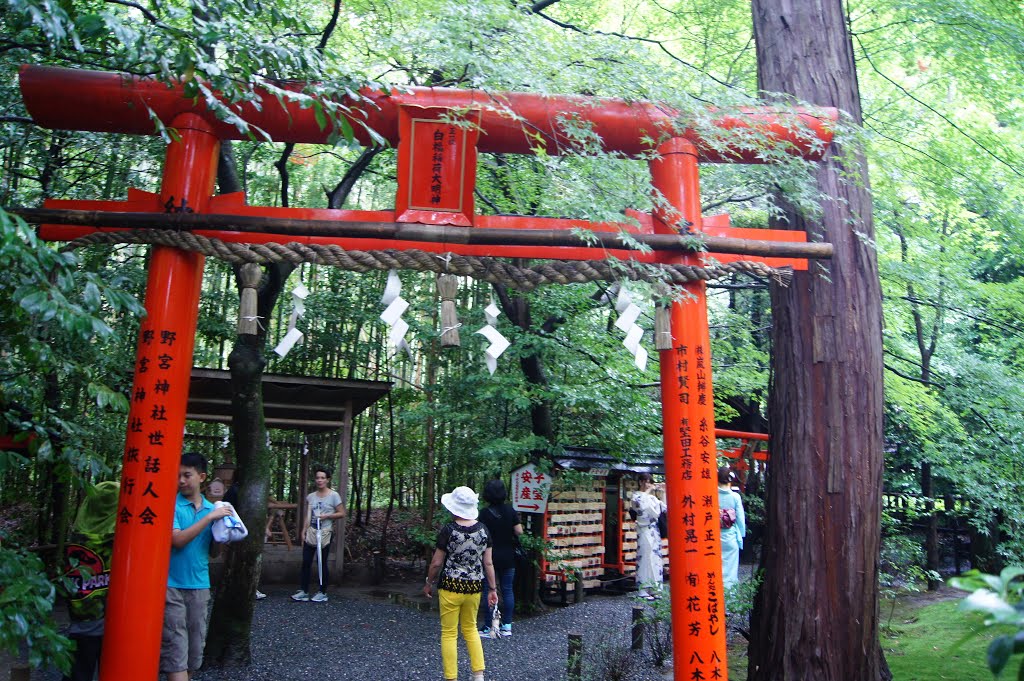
pixel 491 270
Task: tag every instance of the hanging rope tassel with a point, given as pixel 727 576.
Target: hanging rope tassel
pixel 249 276
pixel 448 289
pixel 662 318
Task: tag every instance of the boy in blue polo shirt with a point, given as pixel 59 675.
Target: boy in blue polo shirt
pixel 188 579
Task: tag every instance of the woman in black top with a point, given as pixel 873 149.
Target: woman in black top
pixel 503 524
pixel 461 569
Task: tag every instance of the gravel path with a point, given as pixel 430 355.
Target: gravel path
pixel 359 638
pixel 362 633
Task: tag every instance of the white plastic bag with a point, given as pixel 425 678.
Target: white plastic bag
pixel 229 528
pixel 494 631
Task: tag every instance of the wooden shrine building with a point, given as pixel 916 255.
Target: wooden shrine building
pixel 587 519
pixel 323 410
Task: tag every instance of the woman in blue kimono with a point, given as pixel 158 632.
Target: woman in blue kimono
pixel 733 527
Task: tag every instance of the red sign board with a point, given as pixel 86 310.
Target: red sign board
pixel 436 166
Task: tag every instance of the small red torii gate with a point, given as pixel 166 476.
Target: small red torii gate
pixel 436 171
pixel 739 454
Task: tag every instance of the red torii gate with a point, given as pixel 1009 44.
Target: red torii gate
pixel 436 161
pixel 739 454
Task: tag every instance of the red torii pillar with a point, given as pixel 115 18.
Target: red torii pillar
pixel 156 419
pixel 688 432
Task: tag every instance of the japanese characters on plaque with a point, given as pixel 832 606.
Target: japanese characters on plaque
pixel 700 523
pixel 145 452
pixel 530 488
pixel 436 166
pixel 437 181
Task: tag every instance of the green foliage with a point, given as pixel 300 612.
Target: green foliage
pixel 611 659
pixel 26 611
pixel 58 322
pixel 658 627
pixel 900 561
pixel 1001 599
pixel 216 50
pixel 423 537
pixel 739 598
pixel 927 643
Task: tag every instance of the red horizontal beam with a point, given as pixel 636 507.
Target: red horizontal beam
pixel 742 435
pixel 511 122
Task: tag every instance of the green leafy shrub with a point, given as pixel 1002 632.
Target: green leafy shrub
pixel 900 560
pixel 26 611
pixel 739 598
pixel 658 628
pixel 611 659
pixel 1002 600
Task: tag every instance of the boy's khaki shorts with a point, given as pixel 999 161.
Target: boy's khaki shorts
pixel 184 630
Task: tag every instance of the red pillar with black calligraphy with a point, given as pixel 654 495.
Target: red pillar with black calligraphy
pixel 156 419
pixel 695 554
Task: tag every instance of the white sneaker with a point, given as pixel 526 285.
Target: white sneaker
pixel 260 595
pixel 300 595
pixel 506 631
pixel 319 597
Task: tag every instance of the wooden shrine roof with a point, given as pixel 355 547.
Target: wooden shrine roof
pixel 301 403
pixel 587 458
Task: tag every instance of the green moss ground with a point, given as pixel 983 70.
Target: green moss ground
pixel 919 639
pixel 920 645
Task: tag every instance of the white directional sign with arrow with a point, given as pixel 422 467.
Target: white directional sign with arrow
pixel 530 488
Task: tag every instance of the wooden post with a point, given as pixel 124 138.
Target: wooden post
pixel 638 628
pixel 344 457
pixel 695 552
pixel 300 503
pixel 575 664
pixel 156 421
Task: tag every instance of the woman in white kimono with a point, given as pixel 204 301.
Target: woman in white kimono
pixel 645 508
pixel 732 536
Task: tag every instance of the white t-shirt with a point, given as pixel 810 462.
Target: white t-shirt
pixel 322 505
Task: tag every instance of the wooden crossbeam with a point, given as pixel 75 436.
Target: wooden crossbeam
pixel 414 232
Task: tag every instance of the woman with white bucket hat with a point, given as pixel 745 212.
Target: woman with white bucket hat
pixel 461 569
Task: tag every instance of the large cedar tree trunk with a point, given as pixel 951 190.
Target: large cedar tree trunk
pixel 816 615
pixel 229 636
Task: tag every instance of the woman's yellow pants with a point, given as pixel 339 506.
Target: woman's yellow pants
pixel 459 609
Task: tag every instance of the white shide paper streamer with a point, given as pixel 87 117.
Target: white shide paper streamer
pixel 498 342
pixel 293 336
pixel 392 314
pixel 628 314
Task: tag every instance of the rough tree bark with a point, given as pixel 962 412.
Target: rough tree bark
pixel 816 615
